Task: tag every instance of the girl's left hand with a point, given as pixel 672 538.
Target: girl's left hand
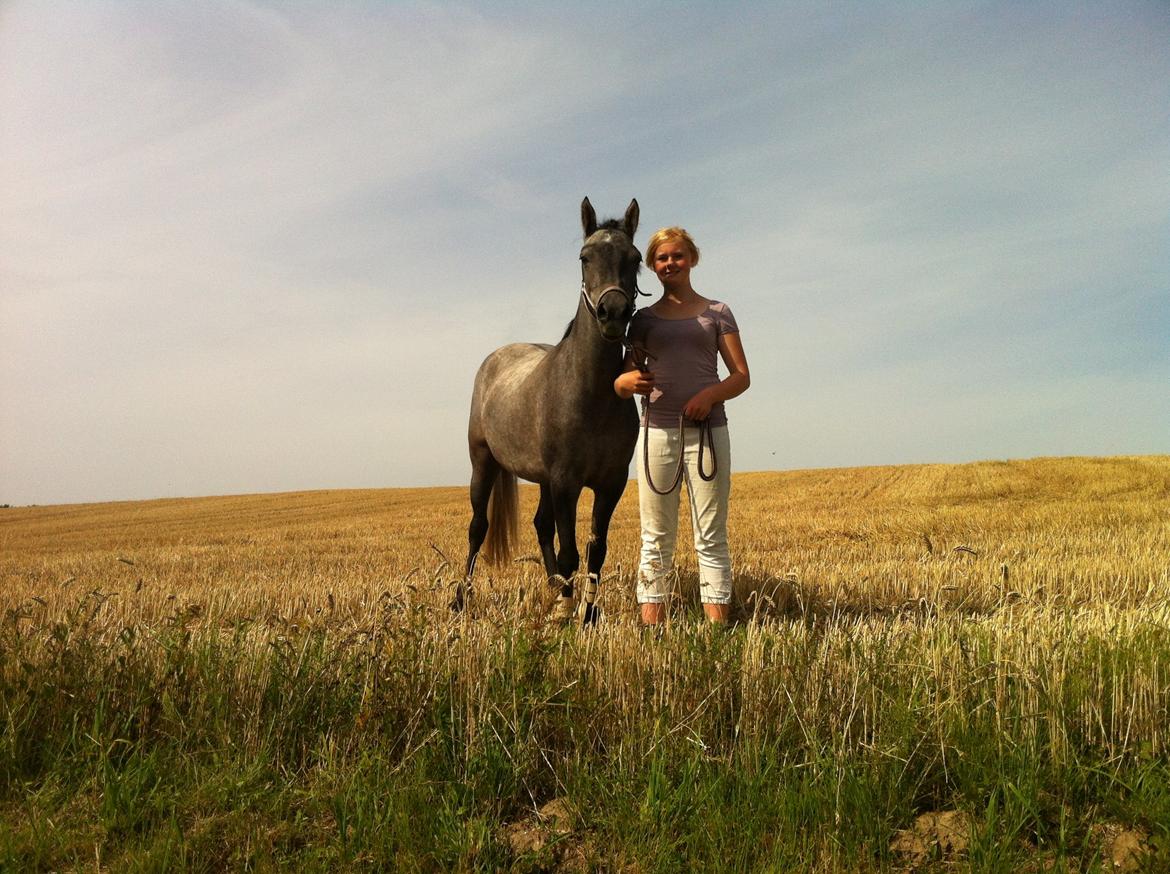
pixel 698 408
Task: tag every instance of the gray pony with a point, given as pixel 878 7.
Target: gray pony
pixel 549 414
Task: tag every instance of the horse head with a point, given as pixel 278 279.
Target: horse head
pixel 609 269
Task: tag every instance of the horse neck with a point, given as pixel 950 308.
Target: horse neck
pixel 586 358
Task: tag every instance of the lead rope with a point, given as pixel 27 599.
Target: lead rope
pixel 642 359
pixel 705 439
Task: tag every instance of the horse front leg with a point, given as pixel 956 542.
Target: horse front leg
pixel 564 501
pixel 605 501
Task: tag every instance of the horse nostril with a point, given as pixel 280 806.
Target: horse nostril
pixel 613 306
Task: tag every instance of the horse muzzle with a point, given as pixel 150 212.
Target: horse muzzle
pixel 613 313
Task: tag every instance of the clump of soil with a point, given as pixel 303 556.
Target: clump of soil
pixel 548 840
pixel 938 835
pixel 944 836
pixel 1122 848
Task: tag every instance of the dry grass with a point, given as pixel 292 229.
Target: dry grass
pixel 946 628
pixel 969 539
pixel 1041 560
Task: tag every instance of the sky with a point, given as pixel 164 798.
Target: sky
pixel 257 247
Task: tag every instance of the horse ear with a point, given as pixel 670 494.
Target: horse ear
pixel 632 218
pixel 588 218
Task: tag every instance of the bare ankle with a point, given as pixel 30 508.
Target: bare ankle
pixel 653 614
pixel 717 613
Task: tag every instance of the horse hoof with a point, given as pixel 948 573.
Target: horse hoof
pixel 592 615
pixel 563 611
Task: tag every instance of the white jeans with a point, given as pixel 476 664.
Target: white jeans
pixel 660 513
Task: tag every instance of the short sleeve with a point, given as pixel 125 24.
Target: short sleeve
pixel 724 320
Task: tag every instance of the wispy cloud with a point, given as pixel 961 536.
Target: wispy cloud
pixel 249 247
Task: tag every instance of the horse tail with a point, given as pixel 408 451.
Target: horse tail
pixel 503 515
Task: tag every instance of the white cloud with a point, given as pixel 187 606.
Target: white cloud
pixel 248 247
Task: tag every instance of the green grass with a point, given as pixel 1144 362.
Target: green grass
pixel 412 746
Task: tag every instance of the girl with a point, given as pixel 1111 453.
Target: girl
pixel 672 364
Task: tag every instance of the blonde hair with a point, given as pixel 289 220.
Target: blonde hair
pixel 671 235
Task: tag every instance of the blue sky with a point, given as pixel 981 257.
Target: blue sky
pixel 250 247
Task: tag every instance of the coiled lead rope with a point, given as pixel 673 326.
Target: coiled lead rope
pixel 705 440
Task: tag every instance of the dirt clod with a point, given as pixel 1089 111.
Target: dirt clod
pixel 940 834
pixel 553 822
pixel 1122 848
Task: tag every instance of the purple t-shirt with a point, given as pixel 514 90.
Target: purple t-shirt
pixel 685 355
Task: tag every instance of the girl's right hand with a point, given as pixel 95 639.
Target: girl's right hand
pixel 634 382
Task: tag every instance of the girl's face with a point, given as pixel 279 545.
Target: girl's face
pixel 672 263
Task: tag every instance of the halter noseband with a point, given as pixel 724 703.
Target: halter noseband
pixel 630 299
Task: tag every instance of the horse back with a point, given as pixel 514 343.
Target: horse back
pixel 503 378
pixel 505 402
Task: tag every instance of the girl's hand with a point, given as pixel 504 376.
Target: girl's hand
pixel 634 382
pixel 699 407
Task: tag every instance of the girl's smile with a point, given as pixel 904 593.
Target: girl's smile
pixel 672 264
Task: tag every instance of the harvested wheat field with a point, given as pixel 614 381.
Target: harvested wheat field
pixel 275 681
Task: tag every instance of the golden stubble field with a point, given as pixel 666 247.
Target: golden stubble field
pixel 1076 534
pixel 934 624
